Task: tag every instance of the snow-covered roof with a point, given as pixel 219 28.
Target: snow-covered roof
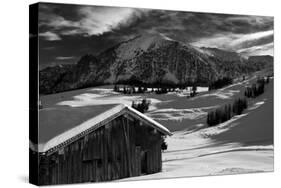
pixel 59 127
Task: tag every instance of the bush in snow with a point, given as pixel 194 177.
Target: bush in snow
pixel 142 106
pixel 164 146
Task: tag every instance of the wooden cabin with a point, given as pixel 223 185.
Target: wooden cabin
pixel 114 142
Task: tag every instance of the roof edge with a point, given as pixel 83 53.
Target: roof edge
pixel 149 120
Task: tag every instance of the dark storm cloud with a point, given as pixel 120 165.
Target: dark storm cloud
pixel 72 30
pixel 189 26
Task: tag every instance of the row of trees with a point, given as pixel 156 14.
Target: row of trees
pixel 130 89
pixel 226 112
pixel 159 90
pixel 141 106
pixel 257 88
pixel 221 82
pixel 163 90
pixel 142 89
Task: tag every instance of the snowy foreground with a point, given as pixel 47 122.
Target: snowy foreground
pixel 244 144
pixel 195 154
pixel 185 159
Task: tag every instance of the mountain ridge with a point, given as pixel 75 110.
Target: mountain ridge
pixel 148 59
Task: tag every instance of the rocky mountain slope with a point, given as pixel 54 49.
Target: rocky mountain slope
pixel 261 62
pixel 148 59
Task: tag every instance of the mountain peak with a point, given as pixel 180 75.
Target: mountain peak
pixel 141 43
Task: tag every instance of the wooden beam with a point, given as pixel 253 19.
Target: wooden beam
pixel 124 123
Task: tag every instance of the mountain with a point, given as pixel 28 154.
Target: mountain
pixel 146 59
pixel 261 62
pixel 50 77
pixel 222 54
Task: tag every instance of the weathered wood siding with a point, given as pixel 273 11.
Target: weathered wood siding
pixel 122 148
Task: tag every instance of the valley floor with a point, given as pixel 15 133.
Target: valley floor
pixel 244 144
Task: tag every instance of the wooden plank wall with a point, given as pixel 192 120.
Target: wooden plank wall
pixel 111 152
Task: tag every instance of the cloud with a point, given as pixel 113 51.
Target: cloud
pixel 265 49
pixel 78 29
pixel 96 21
pixel 93 20
pixel 50 36
pixel 55 21
pixel 234 42
pixel 252 38
pixel 65 57
pixel 71 20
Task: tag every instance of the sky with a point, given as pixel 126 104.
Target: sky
pixel 67 32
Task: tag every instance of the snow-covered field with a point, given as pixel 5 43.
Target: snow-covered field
pixel 243 144
pixel 199 153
